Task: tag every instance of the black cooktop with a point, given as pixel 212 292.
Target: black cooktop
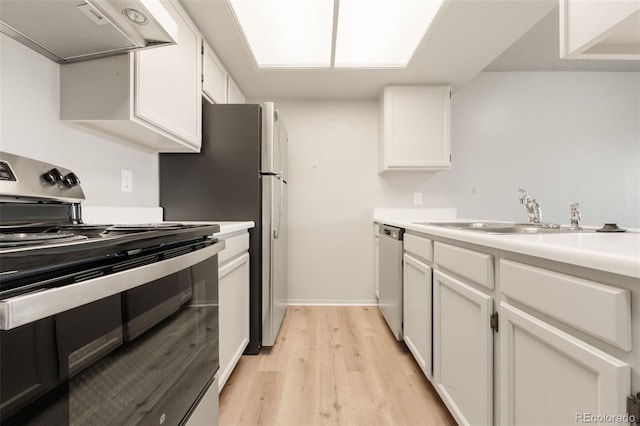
pixel 39 235
pixel 32 250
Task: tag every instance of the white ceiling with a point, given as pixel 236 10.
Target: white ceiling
pixel 468 36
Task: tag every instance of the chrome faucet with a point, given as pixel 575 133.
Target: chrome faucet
pixel 575 216
pixel 533 208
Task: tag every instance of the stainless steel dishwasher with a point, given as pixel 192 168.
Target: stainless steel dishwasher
pixel 390 276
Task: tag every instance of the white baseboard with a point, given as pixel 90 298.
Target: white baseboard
pixel 331 302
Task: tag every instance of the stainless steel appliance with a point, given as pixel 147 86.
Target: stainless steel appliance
pixel 71 31
pixel 240 174
pixel 390 276
pixel 99 324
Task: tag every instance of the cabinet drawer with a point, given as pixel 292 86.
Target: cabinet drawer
pixel 600 310
pixel 475 266
pixel 421 247
pixel 235 246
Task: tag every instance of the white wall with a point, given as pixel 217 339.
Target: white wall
pixel 333 186
pixel 30 126
pixel 563 136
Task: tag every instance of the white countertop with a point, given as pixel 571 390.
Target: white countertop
pixel 612 252
pixel 132 215
pixel 227 228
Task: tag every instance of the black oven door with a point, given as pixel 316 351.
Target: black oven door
pixel 142 356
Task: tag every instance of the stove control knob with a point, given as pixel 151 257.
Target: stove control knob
pixel 52 176
pixel 71 180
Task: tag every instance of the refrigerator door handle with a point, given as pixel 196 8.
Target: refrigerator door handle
pixel 276 231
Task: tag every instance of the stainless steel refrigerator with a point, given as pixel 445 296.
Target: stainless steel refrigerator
pixel 240 174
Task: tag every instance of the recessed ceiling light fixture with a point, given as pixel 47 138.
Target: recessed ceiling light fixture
pixel 287 33
pixel 382 33
pixel 334 33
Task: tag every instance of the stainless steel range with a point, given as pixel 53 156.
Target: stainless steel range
pixel 99 324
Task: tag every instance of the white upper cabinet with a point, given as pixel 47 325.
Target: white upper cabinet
pixel 168 82
pixel 234 94
pixel 416 129
pixel 600 29
pixel 151 97
pixel 214 76
pixel 217 85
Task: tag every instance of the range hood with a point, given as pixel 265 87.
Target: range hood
pixel 76 30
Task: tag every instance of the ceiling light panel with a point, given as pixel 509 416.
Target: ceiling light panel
pixel 287 33
pixel 381 33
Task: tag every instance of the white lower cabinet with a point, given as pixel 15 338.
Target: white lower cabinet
pixel 417 284
pixel 463 349
pixel 563 338
pixel 549 377
pixel 376 261
pixel 233 292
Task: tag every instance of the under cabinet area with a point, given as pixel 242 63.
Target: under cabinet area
pixel 233 285
pixel 600 29
pixel 416 129
pixel 151 97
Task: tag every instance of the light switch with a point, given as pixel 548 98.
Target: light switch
pixel 126 180
pixel 417 198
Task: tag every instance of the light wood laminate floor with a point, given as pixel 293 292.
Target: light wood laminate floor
pixel 331 366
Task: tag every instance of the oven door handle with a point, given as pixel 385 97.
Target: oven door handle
pixel 30 307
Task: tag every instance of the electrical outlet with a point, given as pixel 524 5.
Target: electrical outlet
pixel 126 180
pixel 417 198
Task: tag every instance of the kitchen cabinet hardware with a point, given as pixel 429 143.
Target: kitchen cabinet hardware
pixel 495 321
